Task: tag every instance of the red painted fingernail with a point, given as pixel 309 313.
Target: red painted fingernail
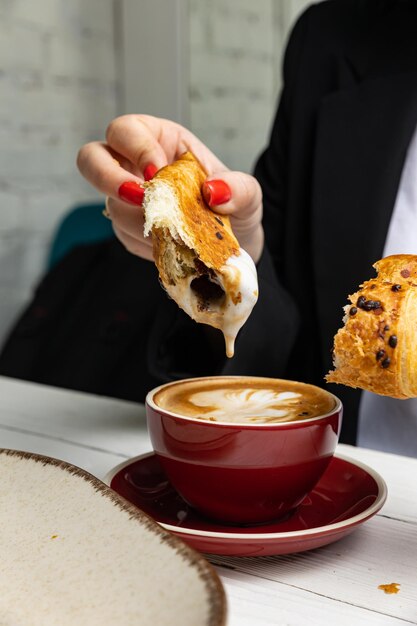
pixel 149 171
pixel 216 192
pixel 132 192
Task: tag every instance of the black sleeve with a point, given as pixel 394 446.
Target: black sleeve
pixel 271 170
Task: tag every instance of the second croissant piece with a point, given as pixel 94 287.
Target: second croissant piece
pixel 376 349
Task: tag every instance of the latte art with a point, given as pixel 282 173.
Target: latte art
pixel 244 400
pixel 254 405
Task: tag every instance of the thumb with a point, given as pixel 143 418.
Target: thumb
pixel 239 196
pixel 233 193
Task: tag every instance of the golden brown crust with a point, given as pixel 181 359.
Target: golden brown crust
pixel 376 349
pixel 210 233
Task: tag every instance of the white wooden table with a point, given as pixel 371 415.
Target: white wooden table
pixel 335 584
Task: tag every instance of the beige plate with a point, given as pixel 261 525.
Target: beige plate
pixel 74 552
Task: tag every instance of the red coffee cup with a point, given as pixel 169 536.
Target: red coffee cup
pixel 244 473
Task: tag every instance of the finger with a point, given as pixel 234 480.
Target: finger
pixel 97 163
pixel 131 137
pixel 234 193
pixel 128 222
pixel 127 218
pixel 146 140
pixel 239 195
pixel 133 245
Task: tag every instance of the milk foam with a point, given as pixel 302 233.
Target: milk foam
pixel 246 405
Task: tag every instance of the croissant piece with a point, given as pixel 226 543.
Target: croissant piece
pixel 199 260
pixel 376 349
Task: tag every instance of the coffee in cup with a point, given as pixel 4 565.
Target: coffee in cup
pixel 244 400
pixel 242 449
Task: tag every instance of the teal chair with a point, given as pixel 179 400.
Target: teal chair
pixel 84 224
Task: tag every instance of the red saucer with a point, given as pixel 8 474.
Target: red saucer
pixel 347 495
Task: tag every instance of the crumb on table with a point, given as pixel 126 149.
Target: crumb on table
pixel 390 587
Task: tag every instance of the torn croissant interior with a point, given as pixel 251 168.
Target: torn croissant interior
pixel 199 260
pixel 376 349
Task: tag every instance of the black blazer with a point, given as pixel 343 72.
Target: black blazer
pixel 332 169
pixel 100 321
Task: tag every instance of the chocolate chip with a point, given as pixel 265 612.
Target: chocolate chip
pixel 218 220
pixel 353 310
pixel 395 287
pixel 304 413
pixel 219 235
pixel 386 362
pixel 370 305
pixel 393 341
pixel 380 354
pixel 405 273
pixel 386 327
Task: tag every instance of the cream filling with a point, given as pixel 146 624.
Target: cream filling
pixel 222 313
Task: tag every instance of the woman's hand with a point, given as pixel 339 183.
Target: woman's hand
pixel 136 147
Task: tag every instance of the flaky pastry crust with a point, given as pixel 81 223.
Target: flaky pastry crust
pixel 211 235
pixel 376 349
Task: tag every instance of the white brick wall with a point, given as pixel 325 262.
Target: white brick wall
pixel 233 76
pixel 57 90
pixel 235 49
